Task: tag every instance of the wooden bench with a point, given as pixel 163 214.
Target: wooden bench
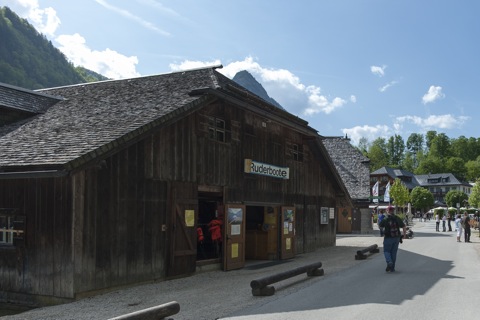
pixel 362 254
pixel 154 313
pixel 261 287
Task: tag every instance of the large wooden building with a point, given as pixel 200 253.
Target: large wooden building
pixel 116 183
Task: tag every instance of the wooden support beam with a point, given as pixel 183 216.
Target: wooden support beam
pixel 260 287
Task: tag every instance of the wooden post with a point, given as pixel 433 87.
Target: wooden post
pixel 361 253
pixel 260 287
pixel 154 313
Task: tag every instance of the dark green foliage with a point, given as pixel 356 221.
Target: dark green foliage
pixel 421 198
pixel 426 154
pixel 89 75
pixel 29 60
pixel 454 197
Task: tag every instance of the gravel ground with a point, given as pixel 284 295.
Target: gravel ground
pixel 210 294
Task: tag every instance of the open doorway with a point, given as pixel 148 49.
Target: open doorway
pixel 262 233
pixel 210 229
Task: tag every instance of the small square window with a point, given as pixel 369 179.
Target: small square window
pixel 12 227
pixel 216 129
pixel 220 124
pixel 297 152
pixel 220 136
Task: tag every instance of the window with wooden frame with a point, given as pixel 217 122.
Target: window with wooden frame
pixel 12 228
pixel 297 152
pixel 217 129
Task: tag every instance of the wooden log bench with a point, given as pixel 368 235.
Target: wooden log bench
pixel 261 287
pixel 362 254
pixel 154 313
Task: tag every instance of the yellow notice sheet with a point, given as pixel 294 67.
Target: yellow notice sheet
pixel 234 250
pixel 189 218
pixel 288 243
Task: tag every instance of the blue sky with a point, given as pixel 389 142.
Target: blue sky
pixel 365 68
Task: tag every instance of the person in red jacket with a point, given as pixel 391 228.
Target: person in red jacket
pixel 215 229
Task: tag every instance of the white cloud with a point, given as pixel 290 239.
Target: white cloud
pixel 378 71
pixel 137 19
pixel 45 20
pixel 353 99
pixel 319 103
pixel 161 8
pixel 414 124
pixel 446 121
pixel 108 62
pixel 282 85
pixel 433 94
pixel 369 132
pixel 188 64
pixel 388 85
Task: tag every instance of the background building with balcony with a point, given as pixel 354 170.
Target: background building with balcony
pixel 439 184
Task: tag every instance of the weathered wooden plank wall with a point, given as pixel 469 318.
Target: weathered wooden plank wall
pixel 43 265
pixel 124 208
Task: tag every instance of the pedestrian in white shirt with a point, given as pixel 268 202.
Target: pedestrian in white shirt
pixel 458 227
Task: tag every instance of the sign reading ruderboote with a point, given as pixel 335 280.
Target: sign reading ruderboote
pixel 264 169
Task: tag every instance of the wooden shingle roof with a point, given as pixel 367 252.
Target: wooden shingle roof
pixel 351 165
pixel 20 99
pixel 17 105
pixel 95 119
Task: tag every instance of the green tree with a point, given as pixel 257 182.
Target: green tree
pixel 363 146
pixel 377 154
pixel 454 197
pixel 421 198
pixel 472 170
pixel 30 61
pixel 460 148
pixel 430 164
pixel 415 142
pixel 440 146
pixel 415 149
pixel 473 148
pixel 395 150
pixel 456 166
pixel 429 136
pixel 474 198
pixel 399 193
pixel 409 163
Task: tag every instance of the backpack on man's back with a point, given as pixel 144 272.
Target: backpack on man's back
pixel 392 227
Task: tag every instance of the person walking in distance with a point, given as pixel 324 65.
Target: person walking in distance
pixel 380 217
pixel 449 218
pixel 458 227
pixel 392 237
pixel 444 222
pixel 437 221
pixel 466 226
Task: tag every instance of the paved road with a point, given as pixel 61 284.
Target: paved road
pixel 436 278
pixel 432 269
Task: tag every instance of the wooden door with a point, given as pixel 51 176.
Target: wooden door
pixel 234 239
pixel 344 219
pixel 356 220
pixel 287 230
pixel 183 244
